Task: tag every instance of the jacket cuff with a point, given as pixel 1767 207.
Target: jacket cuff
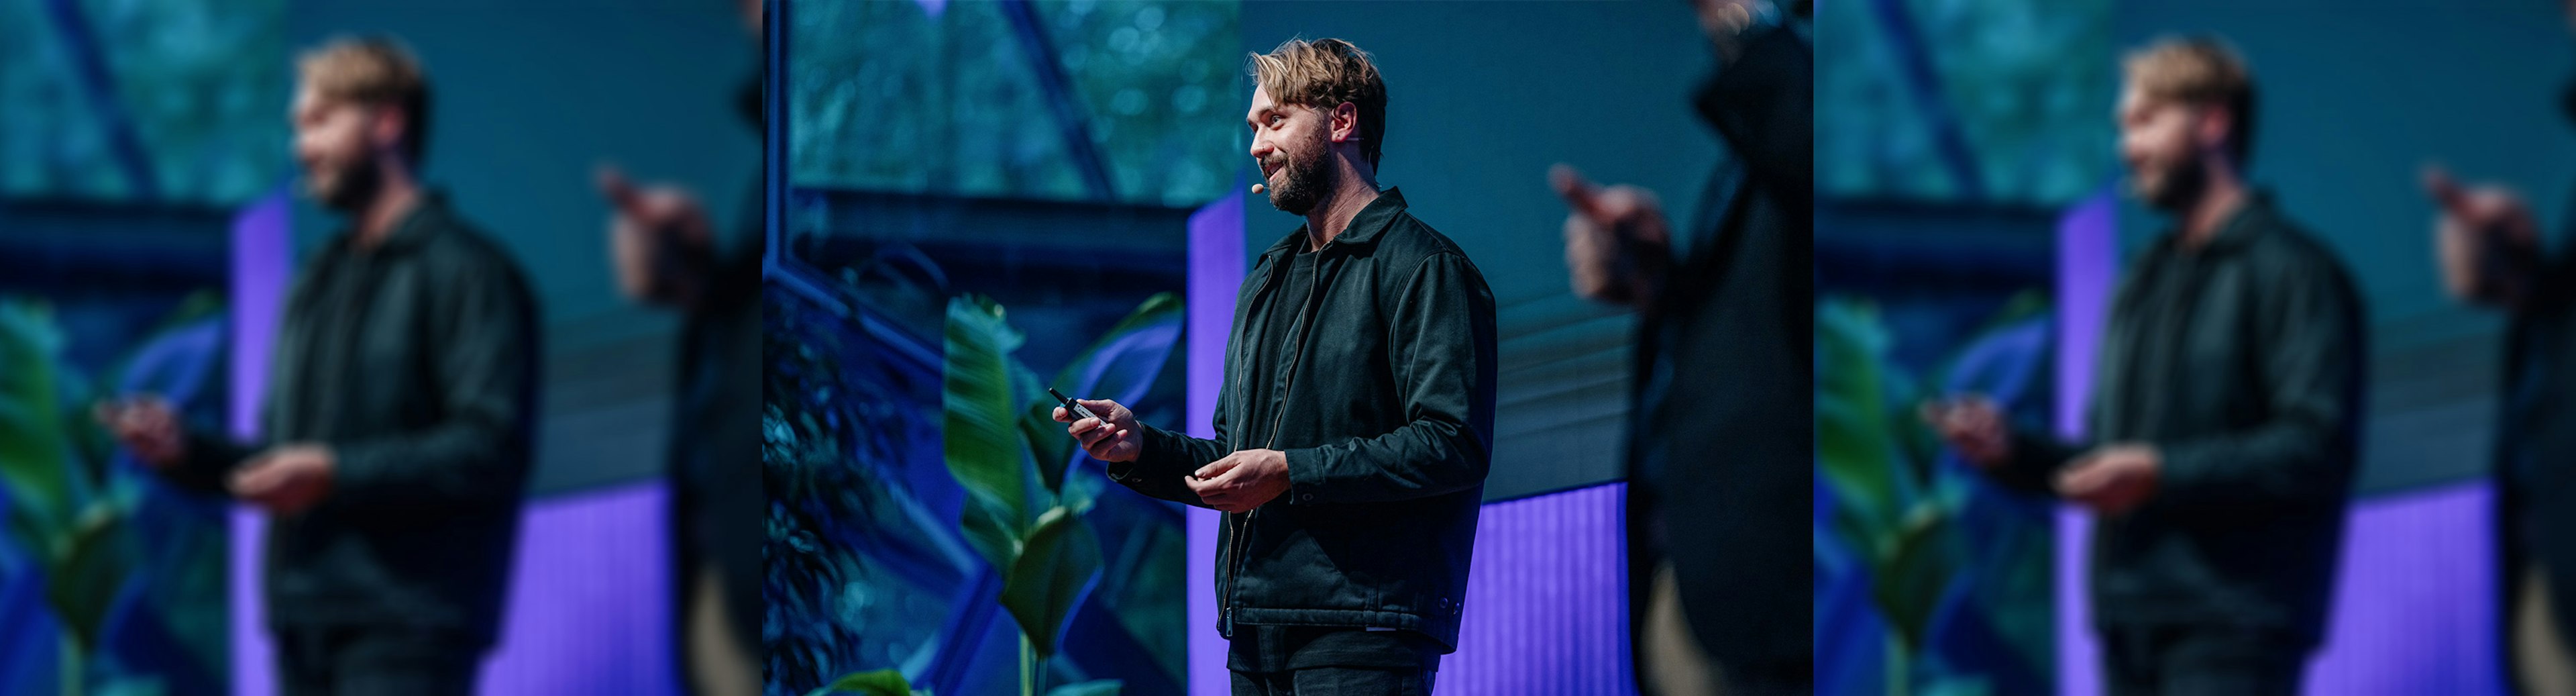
pixel 2184 470
pixel 1305 477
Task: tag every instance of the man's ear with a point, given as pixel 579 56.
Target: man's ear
pixel 2211 127
pixel 386 127
pixel 1345 122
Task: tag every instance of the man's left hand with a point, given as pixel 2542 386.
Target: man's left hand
pixel 286 479
pixel 1241 481
pixel 2113 479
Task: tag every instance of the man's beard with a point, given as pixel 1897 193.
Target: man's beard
pixel 355 186
pixel 2184 183
pixel 1305 183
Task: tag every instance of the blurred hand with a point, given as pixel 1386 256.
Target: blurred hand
pixel 147 427
pixel 1724 21
pixel 2112 479
pixel 1974 426
pixel 2486 238
pixel 659 238
pixel 1116 440
pixel 286 479
pixel 1616 239
pixel 1243 480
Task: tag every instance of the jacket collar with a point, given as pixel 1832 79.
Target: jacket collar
pixel 2241 227
pixel 1366 225
pixel 426 216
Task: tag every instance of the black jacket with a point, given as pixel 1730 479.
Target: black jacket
pixel 1721 436
pixel 417 363
pixel 2535 442
pixel 1385 408
pixel 2242 364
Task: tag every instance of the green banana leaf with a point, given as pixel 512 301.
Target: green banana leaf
pixel 1058 567
pixel 1853 454
pixel 34 458
pixel 83 579
pixel 980 434
pixel 1914 572
pixel 883 682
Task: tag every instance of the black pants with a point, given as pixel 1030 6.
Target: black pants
pixel 1335 681
pixel 375 660
pixel 2145 661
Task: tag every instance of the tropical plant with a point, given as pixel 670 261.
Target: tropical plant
pixel 129 570
pixel 1930 578
pixel 1025 504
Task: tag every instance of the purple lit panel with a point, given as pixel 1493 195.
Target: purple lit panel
pixel 2088 264
pixel 263 251
pixel 2414 603
pixel 588 609
pixel 1547 599
pixel 1216 271
pixel 590 597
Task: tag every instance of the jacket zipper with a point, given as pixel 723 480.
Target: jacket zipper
pixel 1296 351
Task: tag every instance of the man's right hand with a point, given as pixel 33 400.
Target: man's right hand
pixel 2486 238
pixel 659 239
pixel 146 426
pixel 1116 440
pixel 1616 239
pixel 1974 426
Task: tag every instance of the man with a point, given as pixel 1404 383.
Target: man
pixel 1357 418
pixel 2225 409
pixel 1725 350
pixel 399 411
pixel 2490 254
pixel 662 246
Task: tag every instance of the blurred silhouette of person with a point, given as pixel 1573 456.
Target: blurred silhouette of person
pixel 2226 407
pixel 662 245
pixel 1356 423
pixel 400 407
pixel 2489 250
pixel 1721 433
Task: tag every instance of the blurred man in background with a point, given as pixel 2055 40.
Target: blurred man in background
pixel 662 244
pixel 397 430
pixel 2225 416
pixel 2489 250
pixel 1721 431
pixel 1356 423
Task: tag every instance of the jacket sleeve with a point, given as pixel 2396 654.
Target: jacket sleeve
pixel 2312 369
pixel 2035 461
pixel 1441 342
pixel 479 452
pixel 211 457
pixel 1763 105
pixel 1166 457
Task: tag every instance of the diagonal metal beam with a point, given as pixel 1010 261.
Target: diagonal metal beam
pixel 1058 90
pixel 1914 63
pixel 89 62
